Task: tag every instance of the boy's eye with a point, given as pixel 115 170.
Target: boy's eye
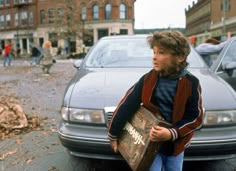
pixel 160 52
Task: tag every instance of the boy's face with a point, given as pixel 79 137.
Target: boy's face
pixel 164 61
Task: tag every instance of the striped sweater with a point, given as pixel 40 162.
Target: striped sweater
pixel 186 115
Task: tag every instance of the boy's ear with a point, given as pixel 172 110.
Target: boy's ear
pixel 180 58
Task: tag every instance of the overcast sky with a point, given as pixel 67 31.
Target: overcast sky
pixel 160 13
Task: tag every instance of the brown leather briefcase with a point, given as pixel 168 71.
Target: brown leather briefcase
pixel 134 144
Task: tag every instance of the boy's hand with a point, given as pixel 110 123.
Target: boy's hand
pixel 114 145
pixel 158 133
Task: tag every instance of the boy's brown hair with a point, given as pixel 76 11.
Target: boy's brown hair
pixel 173 41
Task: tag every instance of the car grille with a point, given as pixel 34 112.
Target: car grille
pixel 109 116
pixel 108 113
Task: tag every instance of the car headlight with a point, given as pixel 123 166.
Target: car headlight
pixel 212 118
pixel 64 113
pixel 83 115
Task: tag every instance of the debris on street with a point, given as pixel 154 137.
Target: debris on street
pixel 13 120
pixel 3 156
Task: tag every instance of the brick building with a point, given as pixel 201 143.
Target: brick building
pixel 27 22
pixel 210 18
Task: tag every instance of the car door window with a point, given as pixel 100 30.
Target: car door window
pixel 229 57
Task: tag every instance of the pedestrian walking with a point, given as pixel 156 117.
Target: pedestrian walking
pixel 7 55
pixel 35 54
pixel 59 50
pixel 18 50
pixel 47 61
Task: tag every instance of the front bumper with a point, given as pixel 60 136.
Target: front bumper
pixel 86 141
pixel 212 144
pixel 210 151
pixel 92 142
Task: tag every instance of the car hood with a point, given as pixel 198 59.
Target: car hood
pixel 105 88
pixel 217 94
pixel 102 88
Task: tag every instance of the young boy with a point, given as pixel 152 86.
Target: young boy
pixel 170 90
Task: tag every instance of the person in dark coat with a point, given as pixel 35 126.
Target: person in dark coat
pixel 35 53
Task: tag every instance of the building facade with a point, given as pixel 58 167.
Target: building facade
pixel 70 24
pixel 210 18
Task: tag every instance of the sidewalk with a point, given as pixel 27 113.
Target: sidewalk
pixel 26 61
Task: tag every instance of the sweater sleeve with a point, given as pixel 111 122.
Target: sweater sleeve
pixel 125 110
pixel 208 49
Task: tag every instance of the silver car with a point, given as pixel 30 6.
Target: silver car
pixel 110 68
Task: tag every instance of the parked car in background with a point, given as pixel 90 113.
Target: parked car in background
pixel 224 64
pixel 109 69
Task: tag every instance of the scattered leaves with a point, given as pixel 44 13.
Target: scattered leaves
pixel 52 168
pixel 3 156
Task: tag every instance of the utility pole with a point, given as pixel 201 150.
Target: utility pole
pixel 224 2
pixel 83 17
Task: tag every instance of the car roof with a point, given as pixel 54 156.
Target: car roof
pixel 125 36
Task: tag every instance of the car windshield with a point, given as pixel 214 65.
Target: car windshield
pixel 128 53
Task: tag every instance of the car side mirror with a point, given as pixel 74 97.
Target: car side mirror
pixel 229 68
pixel 77 63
